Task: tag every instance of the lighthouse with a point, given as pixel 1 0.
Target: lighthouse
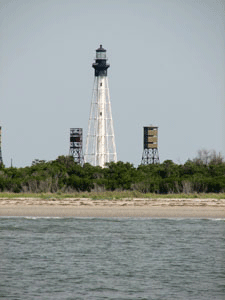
pixel 100 143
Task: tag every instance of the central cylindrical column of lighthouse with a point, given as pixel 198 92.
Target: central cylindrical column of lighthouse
pixel 100 145
pixel 101 122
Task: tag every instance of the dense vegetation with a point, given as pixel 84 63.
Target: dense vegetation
pixel 204 174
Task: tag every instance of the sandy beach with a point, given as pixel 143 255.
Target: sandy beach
pixel 76 207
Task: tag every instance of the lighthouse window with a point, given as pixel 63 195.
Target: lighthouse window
pixel 100 113
pixel 101 55
pixel 101 84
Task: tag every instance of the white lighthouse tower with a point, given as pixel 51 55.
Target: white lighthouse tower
pixel 100 144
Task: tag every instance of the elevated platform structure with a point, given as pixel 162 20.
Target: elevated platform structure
pixel 150 152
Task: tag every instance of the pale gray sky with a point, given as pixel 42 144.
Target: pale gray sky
pixel 167 69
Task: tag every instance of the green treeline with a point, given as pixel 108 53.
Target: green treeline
pixel 201 175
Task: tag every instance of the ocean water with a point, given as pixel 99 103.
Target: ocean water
pixel 110 258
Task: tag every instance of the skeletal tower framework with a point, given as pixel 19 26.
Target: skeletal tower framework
pixel 100 144
pixel 150 153
pixel 76 145
pixel 1 160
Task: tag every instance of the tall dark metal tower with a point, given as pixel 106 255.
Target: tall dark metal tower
pixel 1 160
pixel 150 152
pixel 76 145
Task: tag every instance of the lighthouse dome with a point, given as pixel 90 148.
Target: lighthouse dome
pixel 100 53
pixel 100 49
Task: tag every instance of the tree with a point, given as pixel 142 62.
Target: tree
pixel 207 157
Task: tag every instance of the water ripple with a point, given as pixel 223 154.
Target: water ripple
pixel 93 258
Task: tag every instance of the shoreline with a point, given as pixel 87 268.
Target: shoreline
pixel 113 212
pixel 80 207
